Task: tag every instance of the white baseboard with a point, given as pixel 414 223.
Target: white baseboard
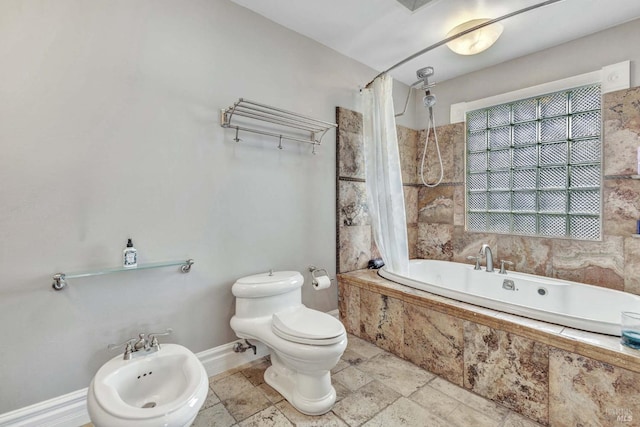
pixel 70 410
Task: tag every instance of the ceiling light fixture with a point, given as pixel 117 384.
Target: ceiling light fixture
pixel 476 41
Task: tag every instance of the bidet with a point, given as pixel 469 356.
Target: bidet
pixel 166 387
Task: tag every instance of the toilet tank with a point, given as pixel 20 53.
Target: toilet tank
pixel 267 293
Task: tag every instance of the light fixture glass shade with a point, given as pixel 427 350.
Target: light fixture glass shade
pixel 476 41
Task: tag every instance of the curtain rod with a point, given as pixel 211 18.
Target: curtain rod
pixel 455 36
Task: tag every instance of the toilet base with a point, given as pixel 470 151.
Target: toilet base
pixel 310 393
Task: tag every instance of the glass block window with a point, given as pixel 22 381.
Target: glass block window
pixel 533 167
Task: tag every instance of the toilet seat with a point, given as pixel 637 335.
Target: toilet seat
pixel 305 326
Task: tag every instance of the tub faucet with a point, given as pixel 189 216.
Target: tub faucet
pixel 486 251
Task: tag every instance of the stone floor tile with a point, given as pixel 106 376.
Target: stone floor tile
pixel 352 358
pixel 245 404
pixel 514 419
pixel 301 420
pixel 341 390
pixel 270 393
pixel 435 401
pixel 255 373
pixel 463 416
pixel 230 386
pixel 339 366
pixel 358 407
pixel 270 417
pixel 217 415
pixel 362 347
pixel 405 412
pixel 400 375
pixel 479 403
pixel 353 378
pixel 211 400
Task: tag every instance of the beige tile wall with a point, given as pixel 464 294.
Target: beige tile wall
pixel 435 216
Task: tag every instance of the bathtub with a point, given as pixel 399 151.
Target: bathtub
pixel 580 306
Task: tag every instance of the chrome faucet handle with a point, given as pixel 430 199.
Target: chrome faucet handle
pixel 128 348
pixel 154 337
pixel 502 263
pixel 476 259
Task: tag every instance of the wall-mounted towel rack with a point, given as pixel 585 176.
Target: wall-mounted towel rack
pixel 245 115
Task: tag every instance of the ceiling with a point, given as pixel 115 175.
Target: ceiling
pixel 381 33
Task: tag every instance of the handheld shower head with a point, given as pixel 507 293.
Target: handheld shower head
pixel 429 100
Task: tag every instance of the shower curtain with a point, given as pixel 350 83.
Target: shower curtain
pixel 383 177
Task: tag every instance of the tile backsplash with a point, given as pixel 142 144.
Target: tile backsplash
pixel 435 216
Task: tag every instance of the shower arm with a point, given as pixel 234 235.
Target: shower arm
pixel 460 34
pixel 406 101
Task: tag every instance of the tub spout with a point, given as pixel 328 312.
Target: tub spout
pixel 486 252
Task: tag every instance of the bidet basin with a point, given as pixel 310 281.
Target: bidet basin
pixel 166 388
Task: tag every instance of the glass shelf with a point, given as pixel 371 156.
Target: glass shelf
pixel 59 279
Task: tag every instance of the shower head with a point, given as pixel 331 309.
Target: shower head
pixel 429 100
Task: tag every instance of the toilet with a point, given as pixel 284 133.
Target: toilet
pixel 305 344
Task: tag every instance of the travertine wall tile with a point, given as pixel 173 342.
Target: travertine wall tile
pixel 632 265
pixel 349 120
pixel 381 321
pixel 621 117
pixel 507 368
pixel 436 205
pixel 349 307
pixel 596 263
pixel 458 205
pixel 354 248
pixel 352 203
pixel 530 254
pixel 411 203
pixel 412 237
pixel 586 392
pixel 469 244
pixel 434 341
pixel 620 206
pixel 458 144
pixel 407 145
pixel 448 135
pixel 435 241
pixel 350 144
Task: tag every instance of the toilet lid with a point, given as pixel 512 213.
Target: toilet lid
pixel 307 326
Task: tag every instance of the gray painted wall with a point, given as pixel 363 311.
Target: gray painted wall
pixel 109 129
pixel 569 59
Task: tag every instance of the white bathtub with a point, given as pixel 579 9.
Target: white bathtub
pixel 572 304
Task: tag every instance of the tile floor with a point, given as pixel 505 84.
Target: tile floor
pixel 374 387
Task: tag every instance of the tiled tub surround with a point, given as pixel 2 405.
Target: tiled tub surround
pixel 435 216
pixel 551 374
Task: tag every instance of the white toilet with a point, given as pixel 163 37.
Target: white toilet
pixel 305 344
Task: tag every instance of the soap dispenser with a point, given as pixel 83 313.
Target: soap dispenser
pixel 130 256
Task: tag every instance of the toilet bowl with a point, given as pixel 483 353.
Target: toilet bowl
pixel 305 344
pixel 166 388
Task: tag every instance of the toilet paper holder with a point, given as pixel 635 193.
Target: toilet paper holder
pixel 317 272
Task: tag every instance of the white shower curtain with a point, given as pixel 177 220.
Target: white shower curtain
pixel 383 176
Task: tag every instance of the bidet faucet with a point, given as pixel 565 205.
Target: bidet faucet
pixel 144 344
pixel 486 252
